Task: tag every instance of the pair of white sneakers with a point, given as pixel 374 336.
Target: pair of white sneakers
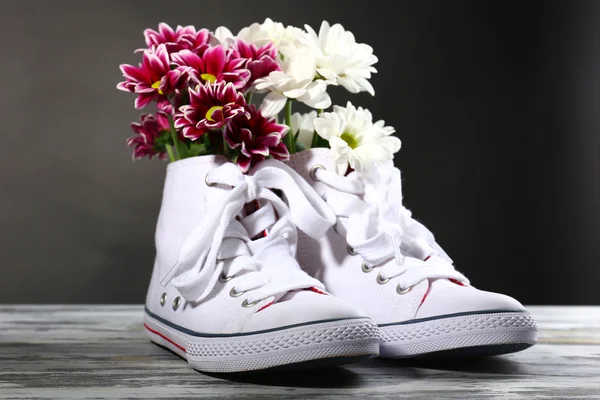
pixel 294 265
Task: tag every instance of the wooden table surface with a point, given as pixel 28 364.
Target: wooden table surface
pixel 91 352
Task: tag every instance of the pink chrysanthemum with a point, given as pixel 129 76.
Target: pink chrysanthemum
pixel 182 38
pixel 148 131
pixel 211 106
pixel 153 79
pixel 260 61
pixel 217 64
pixel 256 138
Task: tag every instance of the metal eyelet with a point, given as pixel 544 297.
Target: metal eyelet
pixel 351 250
pixel 224 279
pixel 403 291
pixel 163 299
pixel 246 304
pixel 208 183
pixel 366 268
pixel 233 293
pixel 313 171
pixel 382 281
pixel 176 303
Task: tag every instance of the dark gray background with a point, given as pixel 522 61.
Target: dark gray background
pixel 497 105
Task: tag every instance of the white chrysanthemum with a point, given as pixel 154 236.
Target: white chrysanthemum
pixel 285 38
pixel 303 128
pixel 294 81
pixel 340 59
pixel 355 140
pixel 223 35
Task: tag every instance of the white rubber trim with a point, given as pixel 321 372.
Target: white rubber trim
pixel 413 339
pixel 344 338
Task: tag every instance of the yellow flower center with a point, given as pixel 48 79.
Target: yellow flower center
pixel 156 85
pixel 210 112
pixel 208 78
pixel 350 140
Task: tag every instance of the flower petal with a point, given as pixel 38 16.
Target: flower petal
pixel 326 128
pixel 214 60
pixel 142 101
pixel 224 35
pixel 244 162
pixel 272 104
pixel 280 152
pixel 295 93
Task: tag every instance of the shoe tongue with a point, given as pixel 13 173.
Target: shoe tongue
pixel 297 293
pixel 416 249
pixel 258 219
pixel 286 296
pixel 440 283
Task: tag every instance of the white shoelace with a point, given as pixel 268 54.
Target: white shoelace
pixel 221 248
pixel 379 228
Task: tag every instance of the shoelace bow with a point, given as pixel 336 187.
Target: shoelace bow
pixel 220 247
pixel 380 228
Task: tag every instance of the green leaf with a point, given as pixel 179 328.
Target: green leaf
pixel 183 149
pixel 197 149
pixel 200 147
pixel 318 141
pixel 234 156
pixel 299 147
pixel 162 141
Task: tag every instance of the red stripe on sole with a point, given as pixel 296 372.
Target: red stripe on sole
pixel 164 337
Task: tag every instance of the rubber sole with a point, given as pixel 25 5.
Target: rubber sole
pixel 460 335
pixel 477 351
pixel 306 346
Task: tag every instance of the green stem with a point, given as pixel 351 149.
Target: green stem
pixel 290 141
pixel 174 137
pixel 315 140
pixel 226 149
pixel 170 153
pixel 249 97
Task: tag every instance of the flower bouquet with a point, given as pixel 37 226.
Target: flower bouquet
pixel 219 93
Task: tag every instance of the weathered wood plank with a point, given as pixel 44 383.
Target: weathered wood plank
pixel 90 352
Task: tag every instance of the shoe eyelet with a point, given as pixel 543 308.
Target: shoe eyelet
pixel 224 279
pixel 163 299
pixel 382 281
pixel 233 292
pixel 209 183
pixel 351 251
pixel 399 290
pixel 365 268
pixel 176 303
pixel 313 171
pixel 246 304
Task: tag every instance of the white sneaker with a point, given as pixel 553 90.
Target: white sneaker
pixel 228 303
pixel 391 266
